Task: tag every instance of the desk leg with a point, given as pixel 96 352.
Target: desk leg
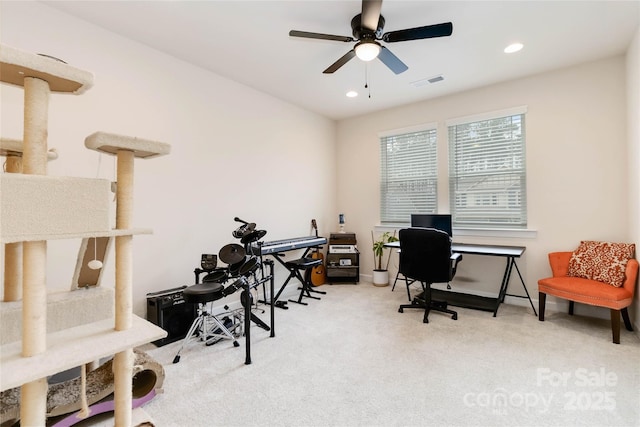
pixel 511 262
pixel 525 288
pixel 505 283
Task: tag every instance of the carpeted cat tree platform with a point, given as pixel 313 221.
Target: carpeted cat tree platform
pixel 44 334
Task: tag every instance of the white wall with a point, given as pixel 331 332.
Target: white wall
pixel 577 181
pixel 633 123
pixel 238 152
pixel 235 151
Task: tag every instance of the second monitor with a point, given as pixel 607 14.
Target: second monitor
pixel 437 221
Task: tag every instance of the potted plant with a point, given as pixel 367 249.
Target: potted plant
pixel 380 272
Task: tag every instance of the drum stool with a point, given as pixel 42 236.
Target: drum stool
pixel 206 326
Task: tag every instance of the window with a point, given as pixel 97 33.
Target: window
pixel 487 176
pixel 408 175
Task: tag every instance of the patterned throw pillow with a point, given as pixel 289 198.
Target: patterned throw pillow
pixel 601 261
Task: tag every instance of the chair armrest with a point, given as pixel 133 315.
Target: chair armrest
pixel 559 262
pixel 455 259
pixel 630 276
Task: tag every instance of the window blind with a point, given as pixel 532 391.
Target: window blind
pixel 487 174
pixel 408 175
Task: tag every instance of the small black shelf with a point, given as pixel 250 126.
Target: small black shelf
pixel 343 259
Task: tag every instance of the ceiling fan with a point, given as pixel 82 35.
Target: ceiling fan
pixel 367 30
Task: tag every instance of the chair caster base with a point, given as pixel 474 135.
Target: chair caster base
pixel 440 304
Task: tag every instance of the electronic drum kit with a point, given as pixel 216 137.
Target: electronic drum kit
pixel 241 263
pixel 247 272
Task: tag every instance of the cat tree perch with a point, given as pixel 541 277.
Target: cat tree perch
pixel 36 208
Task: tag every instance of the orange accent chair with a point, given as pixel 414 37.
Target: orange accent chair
pixel 586 291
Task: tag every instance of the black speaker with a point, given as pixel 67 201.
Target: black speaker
pixel 168 310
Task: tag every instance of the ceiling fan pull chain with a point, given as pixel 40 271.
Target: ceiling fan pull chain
pixel 366 79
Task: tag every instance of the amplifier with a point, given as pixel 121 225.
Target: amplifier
pixel 342 239
pixel 168 310
pixel 343 249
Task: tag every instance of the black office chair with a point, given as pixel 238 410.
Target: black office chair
pixel 425 256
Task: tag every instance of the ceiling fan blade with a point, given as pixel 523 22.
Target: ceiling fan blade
pixel 392 61
pixel 371 14
pixel 305 34
pixel 426 32
pixel 340 62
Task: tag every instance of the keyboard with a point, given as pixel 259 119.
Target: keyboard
pixel 277 246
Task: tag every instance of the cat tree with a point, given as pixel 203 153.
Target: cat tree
pixel 36 208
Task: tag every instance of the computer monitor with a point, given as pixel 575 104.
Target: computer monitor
pixel 437 221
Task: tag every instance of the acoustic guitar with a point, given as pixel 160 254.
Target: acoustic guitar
pixel 318 273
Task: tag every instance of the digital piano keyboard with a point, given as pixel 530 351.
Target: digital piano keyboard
pixel 277 246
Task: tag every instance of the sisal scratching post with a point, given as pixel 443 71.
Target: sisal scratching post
pixel 122 387
pixel 124 249
pixel 14 164
pixel 32 407
pixel 13 272
pixel 36 116
pixel 123 361
pixel 12 251
pixel 34 311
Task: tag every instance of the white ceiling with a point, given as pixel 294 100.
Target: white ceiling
pixel 248 41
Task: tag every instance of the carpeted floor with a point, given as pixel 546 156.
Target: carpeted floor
pixel 352 360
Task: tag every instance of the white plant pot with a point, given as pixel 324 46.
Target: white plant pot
pixel 381 277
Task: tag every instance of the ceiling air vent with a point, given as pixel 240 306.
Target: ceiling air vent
pixel 424 82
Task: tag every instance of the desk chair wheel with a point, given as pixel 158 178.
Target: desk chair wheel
pixel 440 304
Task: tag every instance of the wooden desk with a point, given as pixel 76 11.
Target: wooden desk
pixel 475 301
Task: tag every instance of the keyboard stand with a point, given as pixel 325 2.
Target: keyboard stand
pixel 294 267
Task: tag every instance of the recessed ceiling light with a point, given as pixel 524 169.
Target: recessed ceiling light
pixel 515 47
pixel 352 94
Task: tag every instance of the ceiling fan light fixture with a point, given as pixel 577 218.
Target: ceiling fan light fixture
pixel 367 50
